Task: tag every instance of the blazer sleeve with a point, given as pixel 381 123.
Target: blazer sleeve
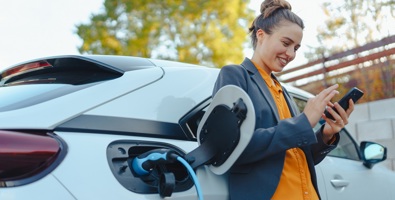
pixel 320 149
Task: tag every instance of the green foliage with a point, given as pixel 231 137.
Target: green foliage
pixel 203 32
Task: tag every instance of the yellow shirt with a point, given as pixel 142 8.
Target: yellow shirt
pixel 295 182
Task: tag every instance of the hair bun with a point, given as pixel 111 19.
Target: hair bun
pixel 269 6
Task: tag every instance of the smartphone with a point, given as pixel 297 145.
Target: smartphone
pixel 354 93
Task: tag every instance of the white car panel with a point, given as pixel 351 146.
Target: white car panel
pixel 49 114
pixel 349 179
pixel 163 100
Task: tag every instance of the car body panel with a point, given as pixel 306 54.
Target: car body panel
pixel 163 100
pixel 349 179
pixel 49 114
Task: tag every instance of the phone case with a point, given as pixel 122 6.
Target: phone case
pixel 354 93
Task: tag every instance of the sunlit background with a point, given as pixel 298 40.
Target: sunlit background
pixel 39 28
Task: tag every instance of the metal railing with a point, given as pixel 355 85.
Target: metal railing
pixel 368 52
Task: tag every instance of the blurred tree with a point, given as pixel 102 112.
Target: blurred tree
pixel 352 23
pixel 205 32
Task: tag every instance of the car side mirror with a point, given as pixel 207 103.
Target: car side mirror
pixel 372 153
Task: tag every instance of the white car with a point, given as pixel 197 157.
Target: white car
pixel 71 127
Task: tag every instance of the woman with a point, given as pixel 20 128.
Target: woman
pixel 279 161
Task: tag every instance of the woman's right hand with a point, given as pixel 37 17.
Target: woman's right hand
pixel 316 106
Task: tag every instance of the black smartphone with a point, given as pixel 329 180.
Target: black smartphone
pixel 354 94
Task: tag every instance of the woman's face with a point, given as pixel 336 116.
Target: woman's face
pixel 273 52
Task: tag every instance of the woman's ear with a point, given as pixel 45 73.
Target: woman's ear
pixel 260 34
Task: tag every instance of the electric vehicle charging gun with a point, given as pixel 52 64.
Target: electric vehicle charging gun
pixel 144 163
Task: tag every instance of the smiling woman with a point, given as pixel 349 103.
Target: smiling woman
pixel 285 147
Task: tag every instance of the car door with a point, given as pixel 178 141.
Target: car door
pixel 345 176
pixel 342 175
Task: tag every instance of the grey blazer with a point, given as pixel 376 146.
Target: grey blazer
pixel 256 173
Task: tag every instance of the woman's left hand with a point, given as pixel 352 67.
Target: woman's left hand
pixel 341 119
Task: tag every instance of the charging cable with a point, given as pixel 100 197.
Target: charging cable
pixel 193 175
pixel 143 164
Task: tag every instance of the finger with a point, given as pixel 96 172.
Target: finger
pixel 350 107
pixel 335 125
pixel 328 90
pixel 340 109
pixel 330 96
pixel 330 104
pixel 342 115
pixel 330 122
pixel 328 93
pixel 334 114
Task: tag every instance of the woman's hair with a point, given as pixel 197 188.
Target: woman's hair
pixel 273 12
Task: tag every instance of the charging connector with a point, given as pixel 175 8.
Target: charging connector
pixel 143 164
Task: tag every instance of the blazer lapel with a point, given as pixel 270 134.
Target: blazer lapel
pixel 257 78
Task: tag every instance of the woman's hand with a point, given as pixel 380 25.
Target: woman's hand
pixel 341 119
pixel 315 107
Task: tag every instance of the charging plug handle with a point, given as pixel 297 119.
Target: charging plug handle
pixel 143 164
